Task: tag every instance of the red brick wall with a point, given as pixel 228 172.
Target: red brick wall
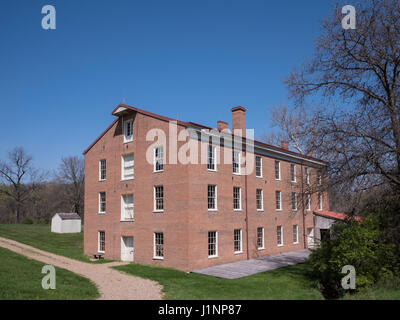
pixel 186 220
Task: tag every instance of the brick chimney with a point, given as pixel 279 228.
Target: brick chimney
pixel 222 125
pixel 285 145
pixel 239 120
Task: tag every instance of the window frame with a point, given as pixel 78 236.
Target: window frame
pixel 261 200
pixel 156 159
pixel 101 169
pixel 295 239
pixel 216 245
pixel 260 167
pixel 308 202
pixel 307 176
pixel 280 200
pixel 215 197
pixel 235 241
pixel 293 173
pixel 277 170
pixel 99 232
pixel 240 199
pixel 104 202
pixel 279 244
pixel 294 201
pixel 155 244
pixel 123 207
pixel 213 157
pixel 320 201
pixel 239 159
pixel 123 167
pixel 127 138
pixel 262 238
pixel 155 198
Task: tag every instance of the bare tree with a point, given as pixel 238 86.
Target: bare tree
pixel 72 174
pixel 359 71
pixel 13 173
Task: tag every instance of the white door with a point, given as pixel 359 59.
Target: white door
pixel 310 237
pixel 127 248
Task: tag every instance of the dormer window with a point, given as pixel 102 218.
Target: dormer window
pixel 128 130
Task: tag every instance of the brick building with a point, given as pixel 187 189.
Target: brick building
pixel 144 203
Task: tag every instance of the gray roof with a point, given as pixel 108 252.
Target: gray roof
pixel 69 216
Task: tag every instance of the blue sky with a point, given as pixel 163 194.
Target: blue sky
pixel 191 60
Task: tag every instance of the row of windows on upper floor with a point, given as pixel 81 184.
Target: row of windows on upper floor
pixel 127 167
pixel 127 201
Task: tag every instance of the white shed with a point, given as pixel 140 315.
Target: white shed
pixel 66 223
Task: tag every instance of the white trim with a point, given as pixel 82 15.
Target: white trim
pixel 263 239
pixel 307 176
pixel 294 173
pixel 320 201
pixel 100 179
pixel 154 246
pixel 240 199
pixel 126 138
pixel 123 178
pixel 241 242
pixel 214 157
pixel 239 160
pixel 280 200
pixel 216 198
pixel 99 203
pixel 281 244
pixel 98 241
pixel 216 245
pixel 297 233
pixel 308 202
pixel 295 201
pixel 154 199
pixel 155 160
pixel 123 206
pixel 261 166
pixel 262 200
pixel 279 170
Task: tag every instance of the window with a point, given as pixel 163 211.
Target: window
pixel 294 201
pixel 320 201
pixel 308 202
pixel 259 200
pixel 236 162
pixel 278 200
pixel 258 167
pixel 212 244
pixel 127 207
pixel 307 177
pixel 102 202
pixel 319 177
pixel 237 198
pixel 101 241
pixel 260 238
pixel 237 240
pixel 158 245
pixel 293 172
pixel 128 130
pixel 211 159
pixel 295 234
pixel 212 197
pixel 277 170
pixel 128 166
pixel 279 235
pixel 102 170
pixel 158 159
pixel 158 198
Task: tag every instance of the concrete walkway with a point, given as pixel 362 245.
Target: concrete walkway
pixel 246 268
pixel 112 284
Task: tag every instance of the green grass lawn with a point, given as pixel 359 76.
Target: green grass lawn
pixel 21 278
pixel 387 291
pixel 285 283
pixel 39 236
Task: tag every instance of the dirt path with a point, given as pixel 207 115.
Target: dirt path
pixel 112 284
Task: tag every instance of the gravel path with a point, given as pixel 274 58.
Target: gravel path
pixel 112 284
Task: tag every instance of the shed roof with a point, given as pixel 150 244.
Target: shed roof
pixel 336 215
pixel 69 216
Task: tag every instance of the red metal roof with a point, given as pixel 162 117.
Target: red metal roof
pixel 337 215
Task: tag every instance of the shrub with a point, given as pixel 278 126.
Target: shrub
pixel 361 245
